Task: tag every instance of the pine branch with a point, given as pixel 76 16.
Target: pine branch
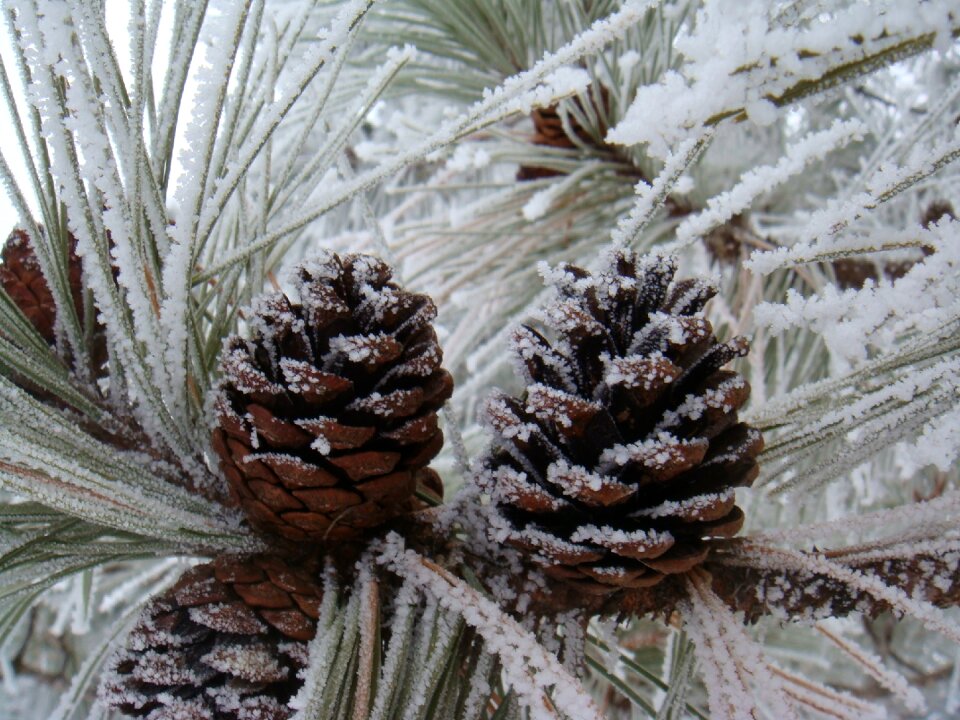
pixel 804 596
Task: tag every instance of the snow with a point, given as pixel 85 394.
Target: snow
pixel 737 59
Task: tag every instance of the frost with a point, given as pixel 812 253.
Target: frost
pixel 691 507
pixel 694 406
pixel 734 668
pixel 222 617
pixel 662 452
pixel 532 671
pixel 852 320
pixel 359 348
pixel 509 486
pixel 722 207
pixel 735 59
pixel 733 125
pixel 248 662
pixel 896 683
pixel 814 564
pixel 468 157
pixel 607 536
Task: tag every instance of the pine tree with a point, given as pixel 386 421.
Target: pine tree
pixel 254 247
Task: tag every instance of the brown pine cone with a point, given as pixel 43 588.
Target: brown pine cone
pixel 24 282
pixel 548 131
pixel 328 414
pixel 225 643
pixel 620 461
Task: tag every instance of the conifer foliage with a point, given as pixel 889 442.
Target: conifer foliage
pixel 253 242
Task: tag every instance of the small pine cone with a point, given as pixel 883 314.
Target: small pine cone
pixel 225 643
pixel 620 461
pixel 24 282
pixel 549 131
pixel 328 415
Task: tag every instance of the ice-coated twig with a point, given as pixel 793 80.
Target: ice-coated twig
pixel 80 685
pixel 369 635
pixel 651 196
pixel 873 665
pixel 772 558
pixel 308 702
pixel 176 313
pixel 739 64
pixel 825 700
pixel 740 663
pixel 88 227
pixel 812 147
pixel 393 668
pixel 945 508
pixel 533 671
pixel 822 228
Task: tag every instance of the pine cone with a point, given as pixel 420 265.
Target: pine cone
pixel 548 131
pixel 24 282
pixel 225 643
pixel 620 461
pixel 327 416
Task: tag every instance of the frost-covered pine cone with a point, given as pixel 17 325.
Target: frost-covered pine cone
pixel 24 282
pixel 620 460
pixel 328 415
pixel 549 130
pixel 225 643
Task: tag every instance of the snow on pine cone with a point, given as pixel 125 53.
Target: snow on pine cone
pixel 620 461
pixel 225 643
pixel 328 414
